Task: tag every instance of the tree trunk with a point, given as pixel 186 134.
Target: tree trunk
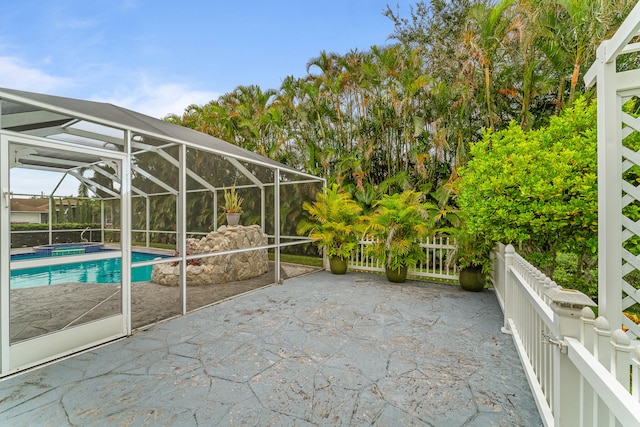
pixel 487 95
pixel 574 82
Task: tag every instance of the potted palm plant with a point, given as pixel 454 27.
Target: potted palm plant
pixel 232 205
pixel 473 258
pixel 334 225
pixel 398 224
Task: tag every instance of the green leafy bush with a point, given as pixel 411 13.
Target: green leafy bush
pixel 568 275
pixel 536 189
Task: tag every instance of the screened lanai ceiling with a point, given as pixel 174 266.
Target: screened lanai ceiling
pixel 99 125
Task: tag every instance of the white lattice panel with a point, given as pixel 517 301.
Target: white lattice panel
pixel 618 180
pixel 629 210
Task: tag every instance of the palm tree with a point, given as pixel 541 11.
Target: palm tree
pixel 486 31
pixel 333 223
pixel 574 28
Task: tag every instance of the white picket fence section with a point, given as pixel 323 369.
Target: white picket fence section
pixel 581 372
pixel 439 264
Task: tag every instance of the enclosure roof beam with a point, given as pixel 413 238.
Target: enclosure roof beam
pixel 91 183
pixel 93 135
pixel 123 119
pixel 174 162
pixel 154 179
pixel 30 118
pixel 18 154
pixel 45 132
pixel 111 176
pixel 54 161
pixel 168 157
pixel 57 185
pixel 149 148
pixel 245 171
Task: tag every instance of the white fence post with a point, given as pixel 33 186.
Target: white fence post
pixel 509 252
pixel 621 358
pixel 601 343
pixel 497 272
pixel 635 373
pixel 440 263
pixel 601 351
pixel 567 307
pixel 587 338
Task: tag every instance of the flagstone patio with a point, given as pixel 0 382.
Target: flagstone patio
pixel 320 349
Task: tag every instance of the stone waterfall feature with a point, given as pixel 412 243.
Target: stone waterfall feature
pixel 223 268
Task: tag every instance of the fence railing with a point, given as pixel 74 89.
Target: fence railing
pixel 581 373
pixel 439 261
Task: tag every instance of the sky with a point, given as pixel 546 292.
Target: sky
pixel 157 57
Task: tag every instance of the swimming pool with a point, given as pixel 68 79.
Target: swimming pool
pixel 62 249
pixel 99 271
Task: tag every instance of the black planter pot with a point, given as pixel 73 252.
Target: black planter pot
pixel 396 276
pixel 338 265
pixel 472 279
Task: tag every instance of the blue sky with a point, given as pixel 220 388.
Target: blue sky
pixel 157 57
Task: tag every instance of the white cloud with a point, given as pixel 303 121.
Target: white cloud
pixel 129 4
pixel 15 74
pixel 159 100
pixel 75 24
pixel 135 91
pixel 138 93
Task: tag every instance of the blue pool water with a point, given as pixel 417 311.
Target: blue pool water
pixel 99 271
pixel 45 254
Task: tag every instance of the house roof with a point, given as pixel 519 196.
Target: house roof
pixel 29 205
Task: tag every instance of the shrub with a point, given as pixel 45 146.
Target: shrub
pixel 536 189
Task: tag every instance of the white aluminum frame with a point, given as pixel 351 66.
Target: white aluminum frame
pixel 25 354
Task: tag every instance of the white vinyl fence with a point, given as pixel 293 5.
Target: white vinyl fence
pixel 581 372
pixel 439 264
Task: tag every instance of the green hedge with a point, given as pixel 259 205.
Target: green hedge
pixel 40 236
pixel 61 226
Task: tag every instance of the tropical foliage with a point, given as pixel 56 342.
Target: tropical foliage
pixel 334 222
pixel 232 201
pixel 486 80
pixel 398 225
pixel 412 108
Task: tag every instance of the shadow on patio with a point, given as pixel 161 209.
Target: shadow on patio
pixel 319 350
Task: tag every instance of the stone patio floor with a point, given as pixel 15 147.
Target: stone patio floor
pixel 320 350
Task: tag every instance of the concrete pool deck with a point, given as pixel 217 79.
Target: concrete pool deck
pixel 43 309
pixel 320 349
